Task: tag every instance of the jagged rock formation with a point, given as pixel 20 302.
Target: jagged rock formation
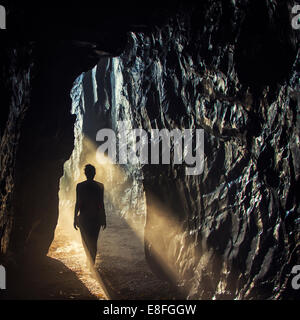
pixel 15 90
pixel 229 67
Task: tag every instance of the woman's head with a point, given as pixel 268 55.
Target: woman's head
pixel 90 171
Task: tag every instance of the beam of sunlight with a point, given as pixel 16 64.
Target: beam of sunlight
pixel 115 178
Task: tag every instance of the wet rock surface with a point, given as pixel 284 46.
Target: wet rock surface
pixel 238 234
pixel 231 68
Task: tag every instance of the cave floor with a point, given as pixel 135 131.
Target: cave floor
pixel 122 271
pixel 58 276
pixel 122 265
pixel 71 254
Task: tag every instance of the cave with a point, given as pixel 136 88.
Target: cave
pixel 227 68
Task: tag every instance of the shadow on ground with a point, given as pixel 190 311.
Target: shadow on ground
pixel 47 279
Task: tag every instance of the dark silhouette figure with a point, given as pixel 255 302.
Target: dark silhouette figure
pixel 89 202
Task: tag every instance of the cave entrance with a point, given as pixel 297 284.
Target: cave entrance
pixel 122 270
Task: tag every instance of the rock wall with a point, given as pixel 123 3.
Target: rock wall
pixel 15 88
pixel 37 140
pixel 231 69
